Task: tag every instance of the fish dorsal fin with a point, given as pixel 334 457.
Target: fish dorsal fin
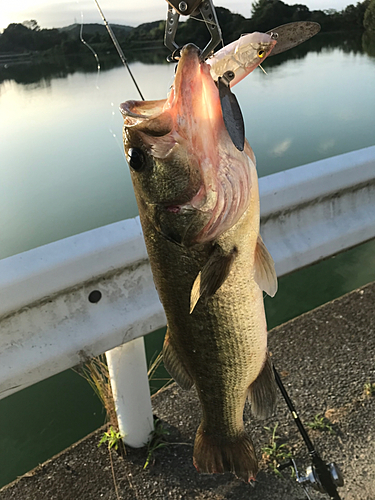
pixel 174 366
pixel 265 274
pixel 212 275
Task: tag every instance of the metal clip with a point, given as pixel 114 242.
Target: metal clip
pixel 185 7
pixel 188 7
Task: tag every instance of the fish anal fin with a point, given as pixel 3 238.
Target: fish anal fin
pixel 212 275
pixel 174 365
pixel 265 274
pixel 215 454
pixel 262 392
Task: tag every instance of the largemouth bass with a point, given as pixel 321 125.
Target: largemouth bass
pixel 199 208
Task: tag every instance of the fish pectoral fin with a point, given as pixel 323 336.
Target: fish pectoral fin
pixel 262 392
pixel 174 366
pixel 265 274
pixel 212 275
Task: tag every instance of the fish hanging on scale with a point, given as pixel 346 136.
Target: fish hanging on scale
pixel 198 203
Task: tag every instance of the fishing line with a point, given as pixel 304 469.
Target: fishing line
pixel 203 21
pixel 114 135
pixel 118 48
pixel 208 22
pixel 92 50
pixel 124 61
pixel 98 88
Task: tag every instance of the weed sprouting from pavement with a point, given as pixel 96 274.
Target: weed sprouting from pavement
pixel 275 453
pixel 96 372
pixel 112 437
pixel 157 440
pixel 369 389
pixel 321 423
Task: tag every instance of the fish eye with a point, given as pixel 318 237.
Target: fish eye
pixel 261 53
pixel 136 159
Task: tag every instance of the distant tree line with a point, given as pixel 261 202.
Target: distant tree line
pixel 28 36
pixel 266 14
pixel 275 12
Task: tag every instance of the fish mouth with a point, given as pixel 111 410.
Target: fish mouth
pixel 154 117
pixel 147 116
pixel 188 69
pixel 224 195
pixel 188 126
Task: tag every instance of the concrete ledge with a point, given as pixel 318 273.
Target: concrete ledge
pixel 325 357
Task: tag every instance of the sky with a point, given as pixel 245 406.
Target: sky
pixel 58 13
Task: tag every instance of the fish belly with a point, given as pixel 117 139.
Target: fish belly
pixel 221 345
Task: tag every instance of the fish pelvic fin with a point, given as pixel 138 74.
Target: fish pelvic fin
pixel 265 274
pixel 174 366
pixel 212 275
pixel 262 392
pixel 215 454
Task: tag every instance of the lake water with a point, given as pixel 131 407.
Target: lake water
pixel 63 171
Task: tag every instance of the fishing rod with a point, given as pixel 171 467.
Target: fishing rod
pixel 118 48
pixel 322 477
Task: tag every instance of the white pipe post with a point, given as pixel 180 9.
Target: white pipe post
pixel 128 371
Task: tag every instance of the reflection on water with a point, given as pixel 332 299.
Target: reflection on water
pixel 350 43
pixel 48 67
pixel 368 43
pixel 63 171
pixel 44 69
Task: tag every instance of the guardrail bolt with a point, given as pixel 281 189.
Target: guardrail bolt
pixel 95 296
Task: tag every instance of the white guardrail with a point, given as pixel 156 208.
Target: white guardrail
pixel 67 301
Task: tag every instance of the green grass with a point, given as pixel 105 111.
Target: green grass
pixel 369 389
pixel 112 437
pixel 321 423
pixel 275 453
pixel 157 441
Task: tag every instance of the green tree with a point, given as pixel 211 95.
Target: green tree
pixel 16 37
pixel 369 17
pixel 268 14
pixel 352 16
pixel 300 13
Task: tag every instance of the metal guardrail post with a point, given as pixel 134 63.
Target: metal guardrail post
pixel 128 371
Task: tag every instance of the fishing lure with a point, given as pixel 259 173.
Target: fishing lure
pixel 245 54
pixel 241 56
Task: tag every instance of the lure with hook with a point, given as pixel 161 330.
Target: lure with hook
pixel 229 66
pixel 245 54
pixel 241 56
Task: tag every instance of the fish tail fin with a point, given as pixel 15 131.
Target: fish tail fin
pixel 262 392
pixel 213 454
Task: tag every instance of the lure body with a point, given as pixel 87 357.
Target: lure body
pixel 241 56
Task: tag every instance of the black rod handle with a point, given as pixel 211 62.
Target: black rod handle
pixel 321 468
pixel 294 413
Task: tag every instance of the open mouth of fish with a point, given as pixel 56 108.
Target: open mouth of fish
pixel 191 119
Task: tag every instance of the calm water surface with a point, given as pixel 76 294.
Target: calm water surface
pixel 63 171
pixel 62 165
